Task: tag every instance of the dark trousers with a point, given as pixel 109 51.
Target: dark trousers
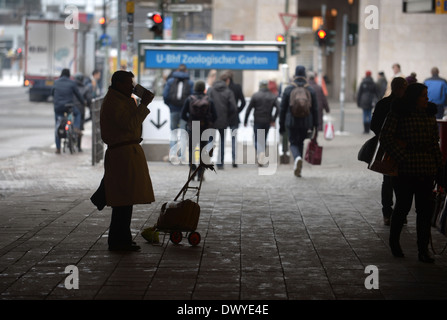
pixel 192 147
pixel 387 196
pixel 119 231
pixel 261 145
pixel 421 188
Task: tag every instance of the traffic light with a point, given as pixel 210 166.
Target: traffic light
pixel 330 41
pixel 280 38
pixel 102 21
pixel 294 45
pixel 321 36
pixel 353 29
pixel 154 23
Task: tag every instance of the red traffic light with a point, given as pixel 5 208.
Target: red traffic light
pixel 102 20
pixel 157 18
pixel 321 34
pixel 280 38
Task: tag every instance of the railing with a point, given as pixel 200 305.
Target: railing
pixel 97 143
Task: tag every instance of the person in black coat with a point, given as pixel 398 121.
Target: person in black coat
pixel 381 110
pixel 366 99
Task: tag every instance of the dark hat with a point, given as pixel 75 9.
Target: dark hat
pixel 199 86
pixel 300 71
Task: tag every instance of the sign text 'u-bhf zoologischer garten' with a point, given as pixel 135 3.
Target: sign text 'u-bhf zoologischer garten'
pixel 207 59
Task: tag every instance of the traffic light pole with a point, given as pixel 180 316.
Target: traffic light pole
pixel 343 73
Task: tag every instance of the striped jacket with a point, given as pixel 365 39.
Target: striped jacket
pixel 410 135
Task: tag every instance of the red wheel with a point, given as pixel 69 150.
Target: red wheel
pixel 194 238
pixel 176 237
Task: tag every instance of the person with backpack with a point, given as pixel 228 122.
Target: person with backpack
pixel 263 103
pixel 177 89
pixel 198 111
pixel 299 114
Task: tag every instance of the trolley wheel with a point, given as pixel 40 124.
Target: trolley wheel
pixel 194 238
pixel 176 237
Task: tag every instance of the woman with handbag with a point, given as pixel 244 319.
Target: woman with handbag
pixel 410 136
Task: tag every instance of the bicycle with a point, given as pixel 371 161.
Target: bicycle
pixel 66 130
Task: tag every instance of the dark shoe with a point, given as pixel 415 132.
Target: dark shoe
pixel 386 221
pixel 234 165
pixel 405 221
pixel 396 250
pixel 220 167
pixel 131 247
pixel 58 151
pixel 425 257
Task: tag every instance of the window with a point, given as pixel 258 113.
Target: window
pixel 419 6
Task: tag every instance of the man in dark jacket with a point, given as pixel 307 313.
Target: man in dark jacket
pixel 298 127
pixel 63 93
pixel 235 121
pixel 366 99
pixel 184 87
pixel 381 110
pixel 225 104
pixel 263 103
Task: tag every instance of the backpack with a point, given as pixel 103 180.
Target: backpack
pixel 62 134
pixel 177 95
pixel 300 101
pixel 199 109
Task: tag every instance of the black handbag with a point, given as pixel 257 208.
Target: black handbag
pixel 99 197
pixel 366 152
pixel 383 163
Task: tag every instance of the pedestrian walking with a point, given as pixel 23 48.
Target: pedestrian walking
pixel 381 110
pixel 323 104
pixel 86 92
pixel 64 92
pixel 263 102
pixel 381 84
pixel 298 124
pixel 126 175
pixel 234 121
pixel 366 99
pixel 225 104
pixel 198 112
pixel 410 136
pixel 437 91
pixel 178 87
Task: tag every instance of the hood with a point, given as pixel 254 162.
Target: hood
pixel 220 85
pixel 180 75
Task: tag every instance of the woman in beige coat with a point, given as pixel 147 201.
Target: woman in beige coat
pixel 126 177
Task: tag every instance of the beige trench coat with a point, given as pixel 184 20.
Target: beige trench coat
pixel 126 177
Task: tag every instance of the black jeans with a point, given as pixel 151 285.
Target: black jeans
pixel 421 188
pixel 119 231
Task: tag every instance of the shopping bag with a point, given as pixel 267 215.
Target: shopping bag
pixel 383 163
pixel 314 152
pixel 329 131
pixel 366 152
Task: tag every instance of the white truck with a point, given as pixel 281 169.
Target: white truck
pixel 49 48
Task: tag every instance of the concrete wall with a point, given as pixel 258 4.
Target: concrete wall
pixel 416 41
pixel 257 20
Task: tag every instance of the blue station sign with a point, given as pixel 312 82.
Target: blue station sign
pixel 212 59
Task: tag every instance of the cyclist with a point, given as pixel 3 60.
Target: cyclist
pixel 63 92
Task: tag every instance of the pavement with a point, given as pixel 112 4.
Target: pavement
pixel 264 238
